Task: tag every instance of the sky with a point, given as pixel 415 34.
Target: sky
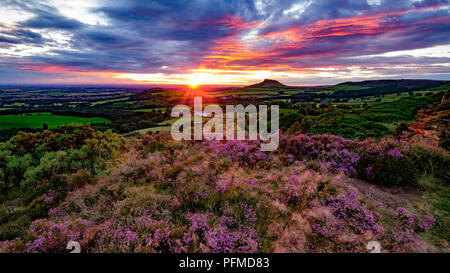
pixel 223 42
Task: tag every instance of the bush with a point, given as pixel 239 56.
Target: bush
pixel 385 162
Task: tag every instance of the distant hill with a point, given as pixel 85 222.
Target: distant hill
pixel 149 93
pixel 378 87
pixel 399 84
pixel 268 83
pixel 369 88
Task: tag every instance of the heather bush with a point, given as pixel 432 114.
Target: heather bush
pixel 162 236
pixel 348 208
pixel 223 234
pixel 247 153
pixel 405 234
pixel 50 236
pixel 341 223
pixel 166 196
pixel 80 178
pixel 111 236
pixel 386 162
pixel 397 163
pixel 334 152
pixel 300 189
pixel 12 246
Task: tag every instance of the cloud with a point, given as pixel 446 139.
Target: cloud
pixel 51 21
pixel 177 37
pixel 15 35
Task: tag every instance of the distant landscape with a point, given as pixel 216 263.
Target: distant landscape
pixel 364 160
pixel 351 109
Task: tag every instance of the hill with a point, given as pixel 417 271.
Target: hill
pixel 349 90
pixel 149 93
pixel 339 92
pixel 268 83
pixel 387 85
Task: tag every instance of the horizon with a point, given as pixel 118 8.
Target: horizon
pixel 226 43
pixel 177 86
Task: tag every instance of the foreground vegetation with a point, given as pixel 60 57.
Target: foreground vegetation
pixel 157 195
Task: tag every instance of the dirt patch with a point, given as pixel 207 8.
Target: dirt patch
pixel 391 196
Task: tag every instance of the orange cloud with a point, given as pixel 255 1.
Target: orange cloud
pixel 232 51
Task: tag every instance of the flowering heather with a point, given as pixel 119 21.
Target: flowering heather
pixel 160 237
pixel 298 188
pixel 220 235
pixel 223 185
pixel 48 197
pixel 333 151
pixel 53 237
pixel 165 196
pixel 395 153
pixel 198 222
pixel 12 246
pixel 222 240
pixel 113 237
pixel 348 208
pixel 246 153
pixel 369 170
pixel 414 221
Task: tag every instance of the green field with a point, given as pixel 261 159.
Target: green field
pixel 107 101
pixel 35 120
pixel 163 109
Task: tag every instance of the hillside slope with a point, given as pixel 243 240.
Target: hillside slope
pixel 267 83
pixel 432 126
pixel 168 196
pixel 348 90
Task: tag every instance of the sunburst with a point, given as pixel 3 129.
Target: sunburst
pixel 193 81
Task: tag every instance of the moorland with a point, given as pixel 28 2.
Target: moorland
pixel 97 165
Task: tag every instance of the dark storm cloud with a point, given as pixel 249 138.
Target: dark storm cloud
pixel 13 35
pixel 45 19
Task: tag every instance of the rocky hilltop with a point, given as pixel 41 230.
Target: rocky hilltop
pixel 432 125
pixel 268 83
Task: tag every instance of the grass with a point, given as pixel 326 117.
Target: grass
pixel 288 111
pixel 107 101
pixel 436 202
pixel 163 109
pixel 258 91
pixel 143 132
pixel 384 98
pixel 35 120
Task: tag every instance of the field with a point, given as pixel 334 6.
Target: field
pixel 35 120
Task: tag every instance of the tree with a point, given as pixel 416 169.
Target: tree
pixel 44 126
pixel 400 128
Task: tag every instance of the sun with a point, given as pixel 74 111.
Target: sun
pixel 193 82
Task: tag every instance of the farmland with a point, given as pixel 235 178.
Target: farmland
pixel 35 120
pixel 351 109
